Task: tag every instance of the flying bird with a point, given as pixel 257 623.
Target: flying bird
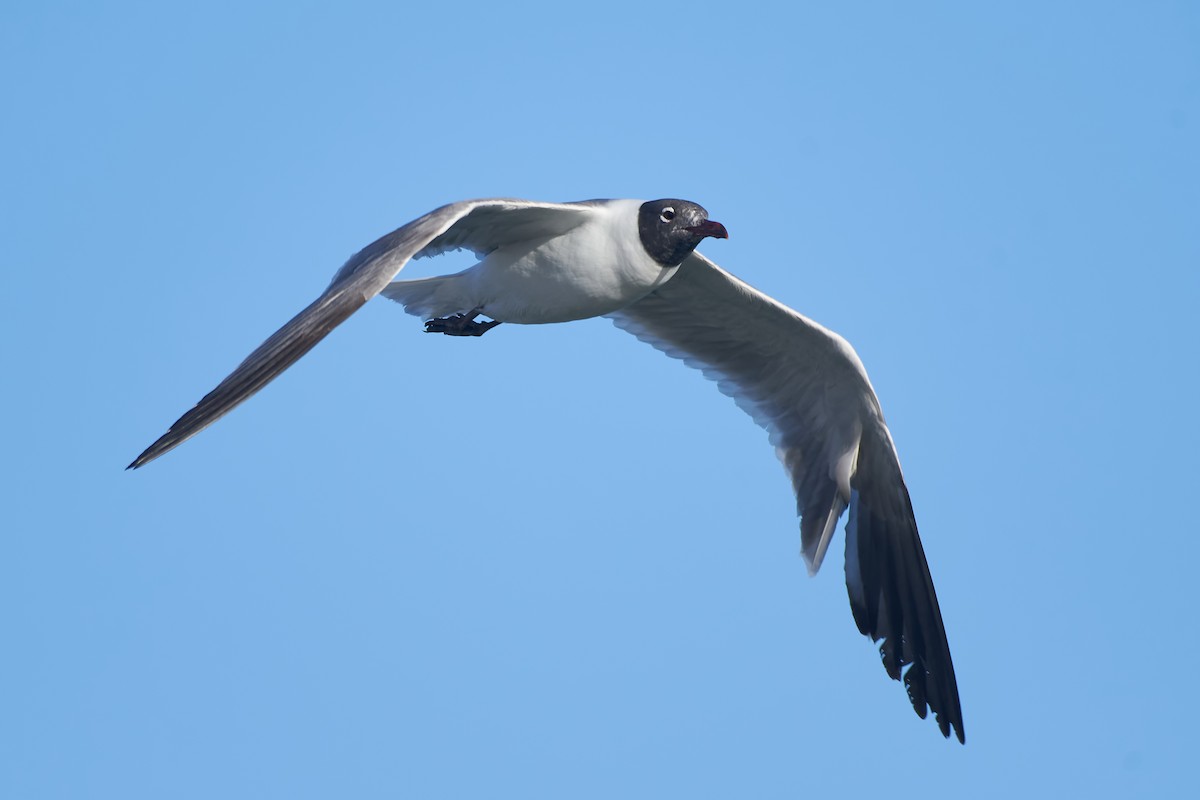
pixel 636 263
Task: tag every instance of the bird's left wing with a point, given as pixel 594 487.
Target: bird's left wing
pixel 475 224
pixel 808 388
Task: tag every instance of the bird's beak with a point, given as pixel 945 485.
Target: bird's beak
pixel 709 228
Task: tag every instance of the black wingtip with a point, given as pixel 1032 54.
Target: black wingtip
pixel 948 725
pixel 162 445
pixel 891 591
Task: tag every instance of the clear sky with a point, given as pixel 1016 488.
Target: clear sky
pixel 551 562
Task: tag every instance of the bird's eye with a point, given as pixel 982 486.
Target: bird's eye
pixel 667 215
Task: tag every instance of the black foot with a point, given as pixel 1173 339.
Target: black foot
pixel 460 325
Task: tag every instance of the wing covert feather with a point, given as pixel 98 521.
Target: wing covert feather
pixel 800 381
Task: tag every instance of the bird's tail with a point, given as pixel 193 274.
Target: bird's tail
pixel 429 298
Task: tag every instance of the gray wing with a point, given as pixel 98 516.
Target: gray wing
pixel 475 224
pixel 808 388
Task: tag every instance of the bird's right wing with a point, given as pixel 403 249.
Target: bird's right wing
pixel 800 381
pixel 479 225
pixel 808 388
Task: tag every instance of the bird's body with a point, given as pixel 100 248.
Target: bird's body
pixel 634 261
pixel 537 280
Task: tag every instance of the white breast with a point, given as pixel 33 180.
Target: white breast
pixel 592 270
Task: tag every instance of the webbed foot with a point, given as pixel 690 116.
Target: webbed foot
pixel 460 325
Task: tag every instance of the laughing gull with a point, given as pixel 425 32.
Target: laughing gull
pixel 635 262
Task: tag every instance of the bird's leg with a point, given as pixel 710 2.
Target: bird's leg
pixel 461 325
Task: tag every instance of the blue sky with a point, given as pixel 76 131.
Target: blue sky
pixel 551 562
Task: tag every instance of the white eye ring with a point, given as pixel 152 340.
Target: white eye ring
pixel 667 214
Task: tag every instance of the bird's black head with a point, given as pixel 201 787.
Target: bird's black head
pixel 671 229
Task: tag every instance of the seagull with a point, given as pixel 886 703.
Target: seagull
pixel 636 263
